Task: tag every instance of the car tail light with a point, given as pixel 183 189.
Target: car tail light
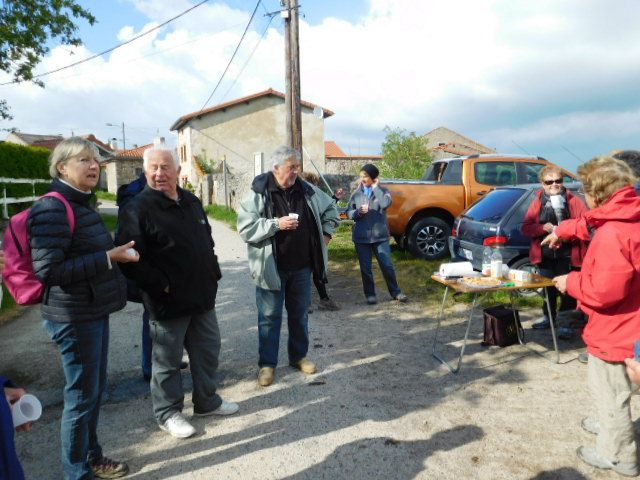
pixel 454 232
pixel 500 239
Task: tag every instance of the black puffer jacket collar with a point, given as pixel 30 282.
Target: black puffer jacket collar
pixel 72 194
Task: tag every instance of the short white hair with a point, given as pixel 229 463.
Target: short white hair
pixel 281 154
pixel 159 148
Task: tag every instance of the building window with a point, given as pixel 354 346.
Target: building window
pixel 183 153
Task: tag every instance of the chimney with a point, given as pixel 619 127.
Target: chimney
pixel 135 145
pixel 113 143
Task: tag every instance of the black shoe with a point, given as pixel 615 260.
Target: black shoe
pixel 184 365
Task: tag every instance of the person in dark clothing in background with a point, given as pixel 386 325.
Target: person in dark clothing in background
pixel 325 302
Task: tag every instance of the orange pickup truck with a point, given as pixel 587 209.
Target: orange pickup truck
pixel 422 212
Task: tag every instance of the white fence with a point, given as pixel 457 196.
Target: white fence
pixel 5 201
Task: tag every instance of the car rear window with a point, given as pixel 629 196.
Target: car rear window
pixel 492 208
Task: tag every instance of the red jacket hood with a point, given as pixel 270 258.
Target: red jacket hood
pixel 622 206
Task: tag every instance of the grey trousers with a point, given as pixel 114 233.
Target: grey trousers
pixel 611 389
pixel 201 338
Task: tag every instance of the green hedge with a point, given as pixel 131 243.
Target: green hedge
pixel 17 161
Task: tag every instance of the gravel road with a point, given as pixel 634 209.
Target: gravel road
pixel 380 408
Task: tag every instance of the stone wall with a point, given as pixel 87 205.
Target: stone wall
pixel 119 172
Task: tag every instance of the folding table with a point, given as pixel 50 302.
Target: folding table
pixel 453 284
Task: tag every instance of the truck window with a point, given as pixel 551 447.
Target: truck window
pixel 447 173
pixel 453 173
pixel 529 172
pixel 495 173
pixel 435 172
pixel 491 209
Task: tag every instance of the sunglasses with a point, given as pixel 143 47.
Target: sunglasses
pixel 551 182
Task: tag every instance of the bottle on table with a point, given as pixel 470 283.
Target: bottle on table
pixel 496 261
pixel 486 260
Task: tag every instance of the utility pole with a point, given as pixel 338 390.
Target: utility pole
pixel 292 70
pixel 124 140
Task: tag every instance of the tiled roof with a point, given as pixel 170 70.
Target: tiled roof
pixel 48 144
pixel 31 138
pixel 331 149
pixel 92 138
pixel 133 153
pixel 478 147
pixel 178 124
pixel 455 149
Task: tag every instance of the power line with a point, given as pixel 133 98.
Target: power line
pixel 114 48
pixel 158 52
pixel 232 56
pixel 248 59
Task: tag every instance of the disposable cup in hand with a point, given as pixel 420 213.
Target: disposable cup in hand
pixel 132 252
pixel 557 201
pixel 27 409
pixel 294 216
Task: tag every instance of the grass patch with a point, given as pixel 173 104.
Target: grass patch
pixel 414 275
pixel 223 214
pixel 102 195
pixel 110 221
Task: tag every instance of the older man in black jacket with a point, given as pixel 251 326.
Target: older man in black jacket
pixel 178 274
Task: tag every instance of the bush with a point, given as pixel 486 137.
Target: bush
pixel 17 161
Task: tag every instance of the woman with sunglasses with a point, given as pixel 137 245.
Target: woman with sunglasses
pixel 541 219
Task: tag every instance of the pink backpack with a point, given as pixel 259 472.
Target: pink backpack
pixel 18 275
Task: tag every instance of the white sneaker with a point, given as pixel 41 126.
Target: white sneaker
pixel 593 458
pixel 225 408
pixel 178 426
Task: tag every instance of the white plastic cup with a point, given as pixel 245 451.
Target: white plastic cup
pixel 294 216
pixel 27 409
pixel 132 252
pixel 557 201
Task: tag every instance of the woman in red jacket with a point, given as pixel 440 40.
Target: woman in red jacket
pixel 540 220
pixel 607 290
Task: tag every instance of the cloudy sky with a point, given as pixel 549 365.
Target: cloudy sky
pixel 556 78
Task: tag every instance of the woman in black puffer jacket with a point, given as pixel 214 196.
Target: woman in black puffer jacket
pixel 83 285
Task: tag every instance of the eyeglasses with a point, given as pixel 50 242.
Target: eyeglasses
pixel 555 180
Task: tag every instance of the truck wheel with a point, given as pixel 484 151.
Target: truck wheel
pixel 429 238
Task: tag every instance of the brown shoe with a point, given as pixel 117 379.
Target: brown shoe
pixel 305 366
pixel 107 468
pixel 328 304
pixel 266 376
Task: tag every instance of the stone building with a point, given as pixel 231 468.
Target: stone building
pixel 125 167
pixel 445 143
pixel 231 142
pixel 338 162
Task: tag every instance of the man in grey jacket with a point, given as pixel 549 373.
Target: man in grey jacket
pixel 287 224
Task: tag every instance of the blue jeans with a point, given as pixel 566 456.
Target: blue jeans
pixel 382 252
pixel 295 294
pixel 146 344
pixel 83 347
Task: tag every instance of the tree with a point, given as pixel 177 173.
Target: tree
pixel 26 27
pixel 405 155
